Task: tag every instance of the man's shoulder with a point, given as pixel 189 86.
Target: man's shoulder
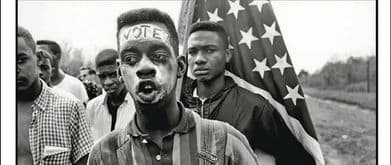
pixel 247 95
pixel 110 142
pixel 58 97
pixel 96 101
pixel 72 80
pixel 220 127
pixel 65 94
pixel 61 102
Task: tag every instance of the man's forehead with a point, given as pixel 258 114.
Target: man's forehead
pixel 204 38
pixel 106 68
pixel 144 31
pixel 22 44
pixel 46 48
pixel 44 61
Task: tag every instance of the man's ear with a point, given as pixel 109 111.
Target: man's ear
pixel 228 55
pixel 181 66
pixel 119 73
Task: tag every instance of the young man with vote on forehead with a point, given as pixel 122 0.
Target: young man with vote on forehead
pixel 162 131
pixel 113 109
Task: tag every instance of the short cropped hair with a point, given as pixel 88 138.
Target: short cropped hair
pixel 28 38
pixel 54 47
pixel 43 54
pixel 106 57
pixel 145 15
pixel 211 26
pixel 90 69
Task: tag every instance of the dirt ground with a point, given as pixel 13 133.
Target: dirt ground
pixel 347 133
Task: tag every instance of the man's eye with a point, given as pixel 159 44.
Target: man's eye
pixel 192 52
pixel 159 56
pixel 210 50
pixel 130 59
pixel 102 76
pixel 21 60
pixel 44 67
pixel 113 74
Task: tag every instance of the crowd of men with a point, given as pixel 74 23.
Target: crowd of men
pixel 137 119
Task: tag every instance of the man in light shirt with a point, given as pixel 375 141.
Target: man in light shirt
pixel 59 79
pixel 114 109
pixel 45 68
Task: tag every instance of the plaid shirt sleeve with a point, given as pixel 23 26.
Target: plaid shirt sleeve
pixel 80 133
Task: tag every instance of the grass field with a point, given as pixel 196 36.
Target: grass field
pixel 362 99
pixel 346 133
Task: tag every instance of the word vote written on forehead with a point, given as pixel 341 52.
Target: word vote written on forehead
pixel 142 31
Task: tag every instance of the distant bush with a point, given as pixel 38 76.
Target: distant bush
pixel 71 60
pixel 351 75
pixel 357 87
pixel 362 99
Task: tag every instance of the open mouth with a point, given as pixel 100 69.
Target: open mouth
pixel 147 91
pixel 147 87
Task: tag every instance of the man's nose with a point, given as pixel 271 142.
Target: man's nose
pixel 146 70
pixel 40 74
pixel 108 81
pixel 199 58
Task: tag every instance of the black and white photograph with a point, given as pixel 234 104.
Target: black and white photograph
pixel 185 82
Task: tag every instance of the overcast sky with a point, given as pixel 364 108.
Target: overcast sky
pixel 314 31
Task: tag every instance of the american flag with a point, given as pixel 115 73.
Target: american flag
pixel 260 61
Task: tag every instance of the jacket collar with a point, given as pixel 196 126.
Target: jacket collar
pixel 228 84
pixel 185 124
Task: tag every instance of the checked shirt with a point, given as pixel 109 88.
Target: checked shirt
pixel 58 133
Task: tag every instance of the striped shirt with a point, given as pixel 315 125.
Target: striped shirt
pixel 58 133
pixel 192 141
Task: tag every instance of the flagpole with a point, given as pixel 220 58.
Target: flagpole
pixel 184 23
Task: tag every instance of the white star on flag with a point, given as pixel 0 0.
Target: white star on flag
pixel 281 63
pixel 259 4
pixel 270 32
pixel 234 8
pixel 247 37
pixel 261 67
pixel 214 16
pixel 293 94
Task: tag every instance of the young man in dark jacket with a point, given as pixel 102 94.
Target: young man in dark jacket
pixel 218 97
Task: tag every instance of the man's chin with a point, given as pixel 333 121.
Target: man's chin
pixel 202 78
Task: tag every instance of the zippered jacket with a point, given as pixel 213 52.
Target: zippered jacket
pixel 252 115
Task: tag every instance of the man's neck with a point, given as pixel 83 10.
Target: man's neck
pixel 155 118
pixel 118 97
pixel 57 77
pixel 30 94
pixel 207 89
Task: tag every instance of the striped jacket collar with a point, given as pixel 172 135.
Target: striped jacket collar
pixel 186 122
